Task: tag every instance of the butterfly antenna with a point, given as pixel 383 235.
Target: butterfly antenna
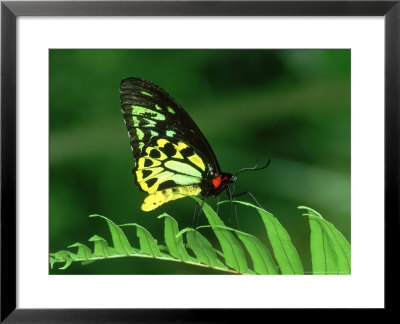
pixel 253 168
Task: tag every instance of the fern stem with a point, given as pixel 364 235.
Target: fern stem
pixel 152 257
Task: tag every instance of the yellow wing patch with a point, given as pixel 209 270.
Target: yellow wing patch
pixel 196 160
pixel 147 163
pixel 158 198
pixel 168 161
pixel 150 184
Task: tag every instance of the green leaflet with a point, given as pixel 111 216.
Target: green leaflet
pixel 163 248
pixel 322 255
pixel 52 261
pixel 203 249
pixel 175 244
pixel 261 257
pixel 263 262
pixel 100 246
pixel 330 251
pixel 231 248
pixel 83 251
pixel 284 251
pixel 66 256
pixel 148 244
pixel 121 243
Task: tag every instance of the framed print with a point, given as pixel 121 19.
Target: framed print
pixel 182 155
pixel 161 132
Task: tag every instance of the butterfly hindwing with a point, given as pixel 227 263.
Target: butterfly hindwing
pixel 166 172
pixel 164 165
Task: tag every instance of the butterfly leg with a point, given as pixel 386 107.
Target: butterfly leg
pixel 229 195
pixel 251 195
pixel 194 214
pixel 236 214
pixel 201 208
pixel 217 205
pixel 235 206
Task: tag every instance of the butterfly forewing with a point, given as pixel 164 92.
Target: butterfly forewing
pixel 149 111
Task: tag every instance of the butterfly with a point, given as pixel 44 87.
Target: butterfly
pixel 173 159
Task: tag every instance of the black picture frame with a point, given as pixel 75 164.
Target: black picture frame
pixel 10 10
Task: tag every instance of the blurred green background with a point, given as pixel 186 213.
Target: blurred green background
pixel 292 106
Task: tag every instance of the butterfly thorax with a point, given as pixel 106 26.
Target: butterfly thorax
pixel 217 183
